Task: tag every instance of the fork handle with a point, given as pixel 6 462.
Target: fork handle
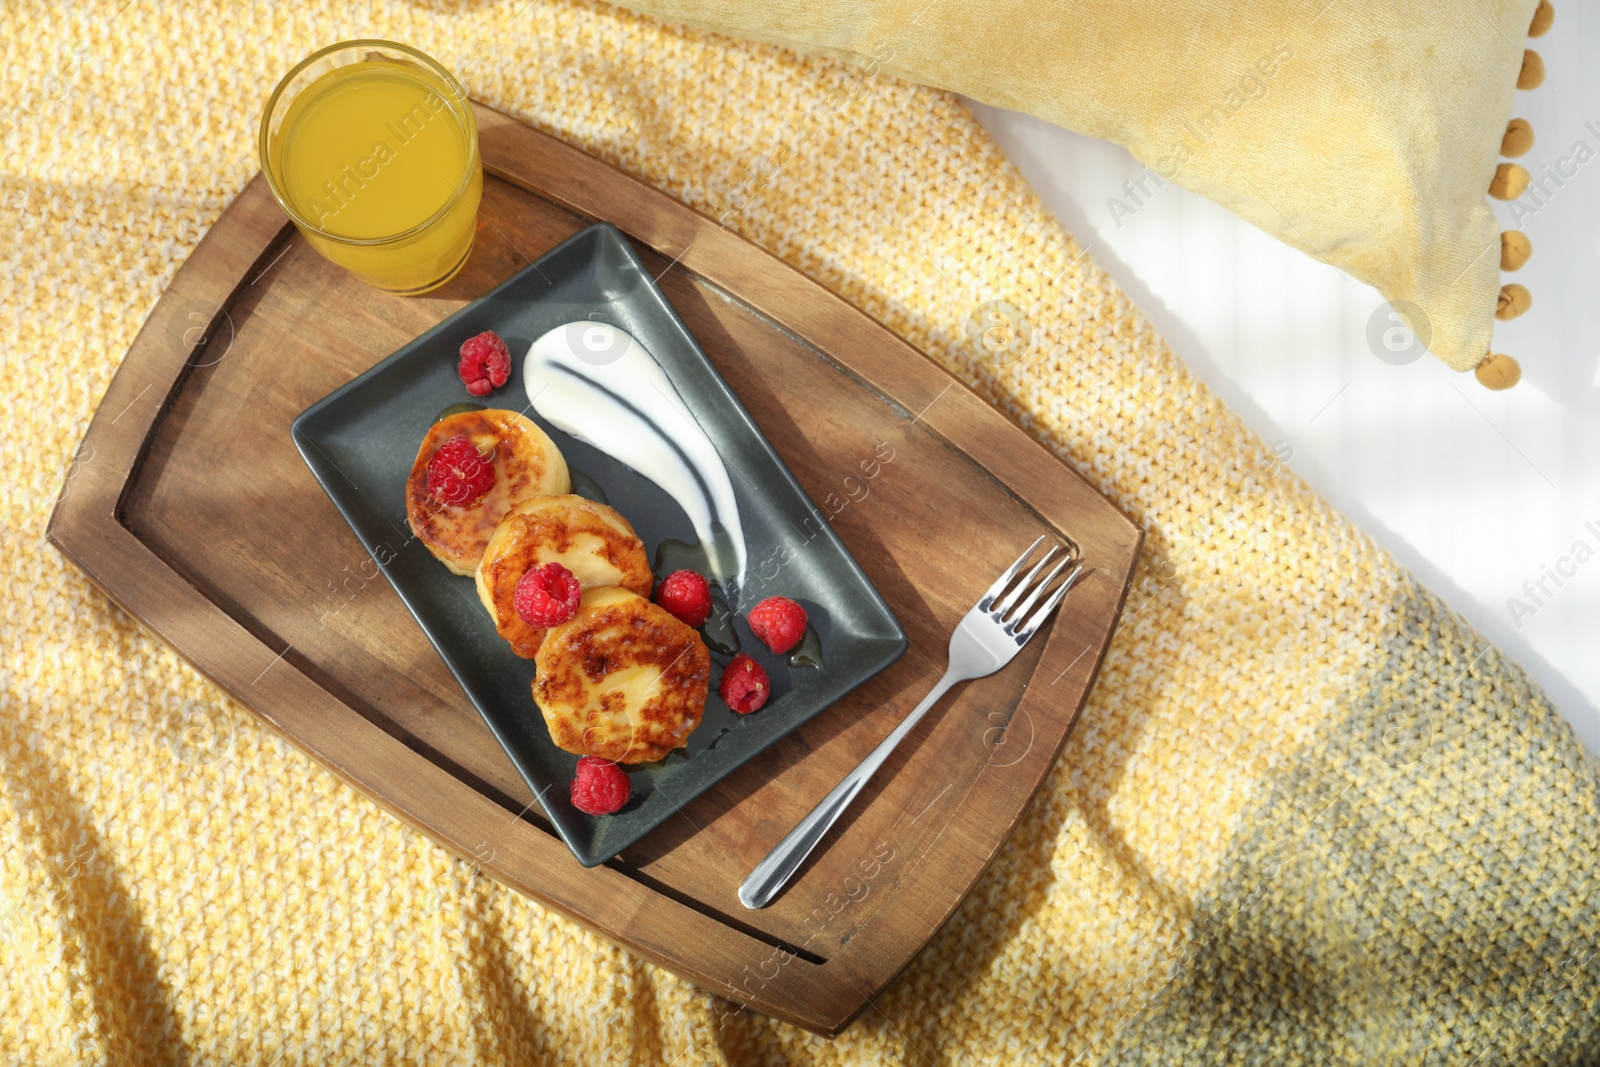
pixel 774 872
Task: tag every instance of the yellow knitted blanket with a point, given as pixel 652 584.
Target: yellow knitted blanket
pixel 1307 816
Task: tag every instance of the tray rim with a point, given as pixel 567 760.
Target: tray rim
pixel 87 528
pixel 596 231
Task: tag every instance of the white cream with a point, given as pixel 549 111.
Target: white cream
pixel 600 385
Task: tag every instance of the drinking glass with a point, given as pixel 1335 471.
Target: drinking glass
pixel 371 148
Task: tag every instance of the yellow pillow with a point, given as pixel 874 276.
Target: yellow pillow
pixel 1363 132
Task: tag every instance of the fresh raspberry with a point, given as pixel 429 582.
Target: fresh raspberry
pixel 458 474
pixel 779 622
pixel 485 363
pixel 600 787
pixel 745 685
pixel 687 595
pixel 547 595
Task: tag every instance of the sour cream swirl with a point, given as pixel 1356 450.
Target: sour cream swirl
pixel 600 385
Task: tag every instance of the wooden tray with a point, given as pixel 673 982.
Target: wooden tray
pixel 196 515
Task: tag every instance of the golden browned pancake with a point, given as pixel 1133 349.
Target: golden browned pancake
pixel 591 540
pixel 623 680
pixel 526 464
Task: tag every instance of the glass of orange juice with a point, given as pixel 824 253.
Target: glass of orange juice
pixel 371 148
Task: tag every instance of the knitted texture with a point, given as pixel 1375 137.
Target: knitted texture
pixel 1307 815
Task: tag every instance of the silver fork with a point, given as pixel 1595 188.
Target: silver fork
pixel 986 639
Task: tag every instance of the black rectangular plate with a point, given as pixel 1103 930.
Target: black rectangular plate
pixel 360 442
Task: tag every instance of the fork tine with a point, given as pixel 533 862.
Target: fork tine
pixel 1005 579
pixel 1031 622
pixel 1005 604
pixel 1038 590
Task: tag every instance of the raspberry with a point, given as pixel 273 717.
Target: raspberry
pixel 458 474
pixel 485 363
pixel 600 787
pixel 687 595
pixel 745 686
pixel 779 622
pixel 547 595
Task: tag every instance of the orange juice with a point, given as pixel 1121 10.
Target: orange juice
pixel 375 158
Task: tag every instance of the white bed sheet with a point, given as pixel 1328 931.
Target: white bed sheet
pixel 1476 492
